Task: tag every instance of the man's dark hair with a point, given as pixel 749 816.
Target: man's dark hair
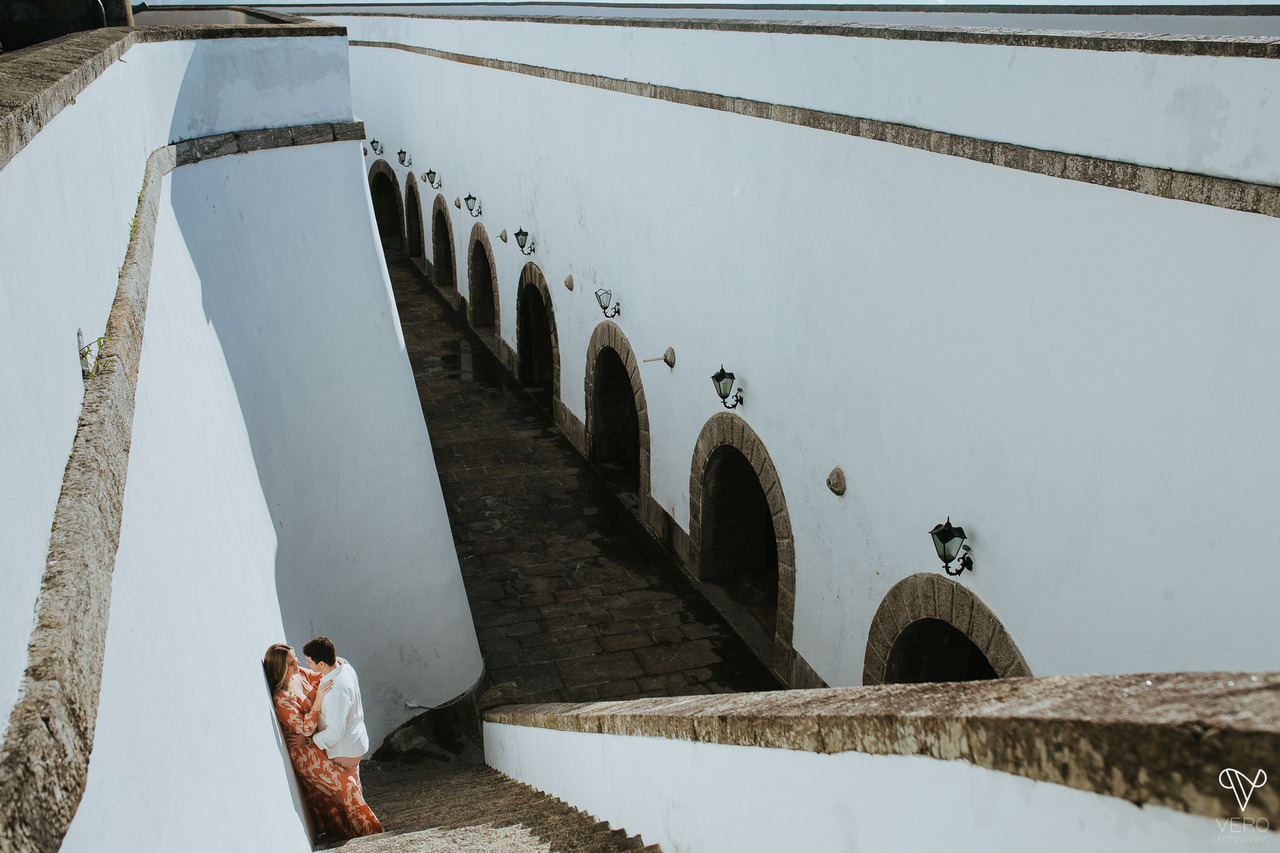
pixel 320 650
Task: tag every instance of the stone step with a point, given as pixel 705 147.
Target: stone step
pixel 468 807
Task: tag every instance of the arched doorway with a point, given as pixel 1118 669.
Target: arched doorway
pixel 734 492
pixel 443 268
pixel 384 190
pixel 413 218
pixel 615 422
pixel 617 415
pixel 482 283
pixel 739 549
pixel 537 351
pixel 930 628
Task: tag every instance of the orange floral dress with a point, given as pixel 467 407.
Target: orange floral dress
pixel 333 796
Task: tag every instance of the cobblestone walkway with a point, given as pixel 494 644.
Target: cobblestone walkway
pixel 572 600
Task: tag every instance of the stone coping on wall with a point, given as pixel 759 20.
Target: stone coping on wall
pixel 37 82
pixel 1159 738
pixel 1171 184
pixel 1256 47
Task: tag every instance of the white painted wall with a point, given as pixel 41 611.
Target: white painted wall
pixel 312 338
pixel 1200 114
pixel 1078 376
pixel 184 723
pixel 66 203
pixel 704 798
pixel 281 485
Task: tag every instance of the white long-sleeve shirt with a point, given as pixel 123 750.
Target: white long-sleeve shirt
pixel 342 733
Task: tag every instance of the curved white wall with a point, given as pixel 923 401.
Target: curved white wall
pixel 707 797
pixel 1075 374
pixel 281 483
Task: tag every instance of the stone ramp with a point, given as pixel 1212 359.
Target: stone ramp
pixel 446 807
pixel 571 599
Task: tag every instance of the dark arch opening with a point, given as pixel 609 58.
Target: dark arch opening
pixel 615 434
pixel 534 348
pixel 413 220
pixel 386 208
pixel 481 286
pixel 442 252
pixel 739 550
pixel 931 650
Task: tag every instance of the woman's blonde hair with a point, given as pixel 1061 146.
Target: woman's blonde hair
pixel 275 665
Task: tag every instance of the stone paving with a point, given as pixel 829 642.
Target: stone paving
pixel 572 599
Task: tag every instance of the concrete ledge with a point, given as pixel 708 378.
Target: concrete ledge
pixel 1164 183
pixel 1160 738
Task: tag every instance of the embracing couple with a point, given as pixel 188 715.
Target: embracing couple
pixel 323 720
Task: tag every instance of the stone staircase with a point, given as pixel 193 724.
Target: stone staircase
pixel 468 807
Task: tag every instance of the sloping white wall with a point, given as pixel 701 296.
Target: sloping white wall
pixel 705 798
pixel 281 485
pixel 295 285
pixel 184 723
pixel 67 201
pixel 1077 375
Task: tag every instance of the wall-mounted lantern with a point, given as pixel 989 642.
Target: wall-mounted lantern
pixel 723 380
pixel 948 541
pixel 405 158
pixel 473 205
pixel 376 146
pixel 604 297
pixel 522 237
pixel 430 177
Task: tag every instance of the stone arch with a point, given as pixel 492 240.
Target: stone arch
pixel 482 283
pixel 444 270
pixel 721 430
pixel 608 336
pixel 388 210
pixel 529 360
pixel 926 599
pixel 413 218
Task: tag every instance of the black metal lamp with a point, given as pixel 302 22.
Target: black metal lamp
pixel 948 541
pixel 604 297
pixel 405 158
pixel 473 205
pixel 723 380
pixel 430 177
pixel 376 146
pixel 522 237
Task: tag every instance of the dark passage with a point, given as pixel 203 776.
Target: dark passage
pixel 932 650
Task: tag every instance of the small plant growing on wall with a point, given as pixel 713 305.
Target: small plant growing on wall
pixel 102 364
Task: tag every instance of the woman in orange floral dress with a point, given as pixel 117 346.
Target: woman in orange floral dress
pixel 333 795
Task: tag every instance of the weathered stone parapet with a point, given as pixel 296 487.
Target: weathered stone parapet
pixel 1163 183
pixel 1108 42
pixel 1160 738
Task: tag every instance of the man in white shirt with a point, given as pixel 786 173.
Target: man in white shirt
pixel 341 733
